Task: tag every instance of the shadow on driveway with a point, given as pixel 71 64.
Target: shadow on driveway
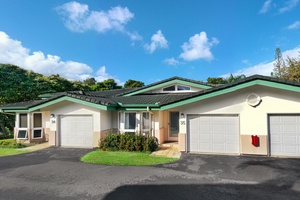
pixel 43 156
pixel 205 191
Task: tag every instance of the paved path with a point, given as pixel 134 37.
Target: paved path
pixel 57 173
pixel 165 150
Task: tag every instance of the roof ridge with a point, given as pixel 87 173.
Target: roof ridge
pixel 166 80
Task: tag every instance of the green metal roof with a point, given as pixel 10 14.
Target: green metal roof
pixel 120 100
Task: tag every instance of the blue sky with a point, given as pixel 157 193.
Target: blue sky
pixel 148 40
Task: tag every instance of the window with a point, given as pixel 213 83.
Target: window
pixel 37 125
pixel 130 121
pixel 22 131
pixel 171 88
pixel 174 88
pixel 23 121
pixel 146 122
pixel 181 87
pixel 22 134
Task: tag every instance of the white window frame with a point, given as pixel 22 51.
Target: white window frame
pixel 149 122
pixel 130 130
pixel 176 89
pixel 26 134
pixel 22 128
pixel 37 128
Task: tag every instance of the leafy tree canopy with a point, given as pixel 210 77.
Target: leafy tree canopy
pixel 230 79
pixel 288 69
pixel 133 84
pixel 108 84
pixel 218 80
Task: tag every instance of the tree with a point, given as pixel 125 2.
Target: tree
pixel 19 85
pixel 218 80
pixel 288 69
pixel 133 84
pixel 108 84
pixel 232 78
pixel 292 70
pixel 279 65
pixel 90 81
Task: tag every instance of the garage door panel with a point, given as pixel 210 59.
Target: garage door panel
pixel 289 128
pixel 194 145
pixel 215 134
pixel 220 137
pixel 203 137
pixel 218 127
pixel 290 139
pixel 204 146
pixel 291 150
pixel 231 139
pixel 76 131
pixel 284 135
pixel 276 139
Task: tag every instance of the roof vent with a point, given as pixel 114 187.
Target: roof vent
pixel 253 99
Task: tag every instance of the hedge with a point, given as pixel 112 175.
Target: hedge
pixel 11 144
pixel 128 142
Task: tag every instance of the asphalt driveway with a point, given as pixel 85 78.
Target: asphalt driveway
pixel 57 173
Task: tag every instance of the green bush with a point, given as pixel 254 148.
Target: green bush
pixel 128 142
pixel 11 144
pixel 10 134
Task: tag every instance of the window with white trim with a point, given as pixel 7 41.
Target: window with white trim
pixel 130 121
pixel 22 131
pixel 146 122
pixel 37 131
pixel 182 87
pixel 175 88
pixel 170 88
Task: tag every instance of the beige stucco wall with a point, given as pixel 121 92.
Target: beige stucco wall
pixel 253 120
pixel 101 119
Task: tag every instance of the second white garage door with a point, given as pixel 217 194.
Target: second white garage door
pixel 76 131
pixel 284 135
pixel 213 134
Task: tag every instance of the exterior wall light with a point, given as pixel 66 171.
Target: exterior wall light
pixel 52 115
pixel 182 115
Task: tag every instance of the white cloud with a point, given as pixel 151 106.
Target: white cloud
pixel 265 68
pixel 266 7
pixel 101 75
pixel 12 52
pixel 246 62
pixel 294 25
pixel 158 41
pixel 198 47
pixel 172 61
pixel 79 18
pixel 289 5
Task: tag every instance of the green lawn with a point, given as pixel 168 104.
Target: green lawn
pixel 124 158
pixel 11 151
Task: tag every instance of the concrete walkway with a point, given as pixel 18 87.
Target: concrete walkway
pixel 167 150
pixel 36 147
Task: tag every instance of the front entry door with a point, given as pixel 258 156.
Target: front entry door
pixel 173 126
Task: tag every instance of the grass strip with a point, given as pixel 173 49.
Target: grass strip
pixel 11 151
pixel 124 158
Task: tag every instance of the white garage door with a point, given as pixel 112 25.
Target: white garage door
pixel 76 131
pixel 284 135
pixel 213 134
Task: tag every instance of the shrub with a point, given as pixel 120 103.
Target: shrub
pixel 10 134
pixel 11 144
pixel 128 142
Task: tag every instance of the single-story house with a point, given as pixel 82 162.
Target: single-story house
pixel 256 115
